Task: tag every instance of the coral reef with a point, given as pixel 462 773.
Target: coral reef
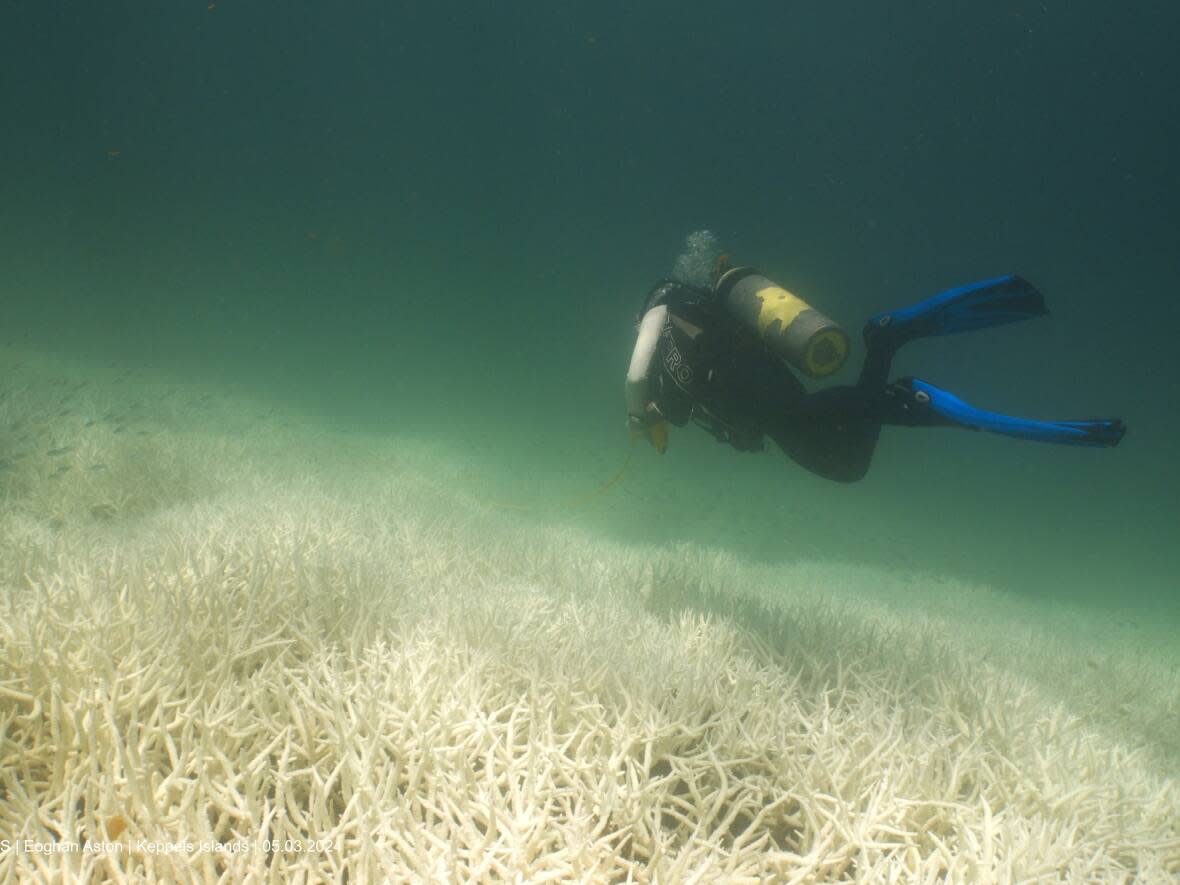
pixel 219 664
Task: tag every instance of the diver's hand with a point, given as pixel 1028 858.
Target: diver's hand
pixel 642 423
pixel 651 424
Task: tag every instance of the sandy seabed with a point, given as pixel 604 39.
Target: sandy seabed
pixel 236 646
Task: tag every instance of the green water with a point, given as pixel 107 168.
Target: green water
pixel 439 222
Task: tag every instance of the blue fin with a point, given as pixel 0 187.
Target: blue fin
pixel 993 302
pixel 948 407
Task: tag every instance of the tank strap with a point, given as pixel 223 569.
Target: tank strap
pixel 731 278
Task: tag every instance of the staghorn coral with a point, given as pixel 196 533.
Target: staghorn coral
pixel 361 675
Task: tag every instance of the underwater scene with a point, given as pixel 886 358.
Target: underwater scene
pixel 589 442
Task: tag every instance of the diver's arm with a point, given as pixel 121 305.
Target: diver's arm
pixel 641 357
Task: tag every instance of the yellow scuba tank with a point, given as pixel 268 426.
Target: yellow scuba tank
pixel 792 328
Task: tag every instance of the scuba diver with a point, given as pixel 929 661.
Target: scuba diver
pixel 714 343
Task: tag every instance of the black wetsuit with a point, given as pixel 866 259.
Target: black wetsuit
pixel 717 372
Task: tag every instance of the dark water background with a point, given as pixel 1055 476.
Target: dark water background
pixel 437 220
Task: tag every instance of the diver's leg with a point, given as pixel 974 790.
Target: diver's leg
pixel 874 372
pixel 832 432
pixel 979 305
pixel 912 402
pixel 993 302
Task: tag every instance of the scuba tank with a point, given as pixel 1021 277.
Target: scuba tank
pixel 793 329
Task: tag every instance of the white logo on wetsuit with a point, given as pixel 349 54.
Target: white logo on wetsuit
pixel 674 362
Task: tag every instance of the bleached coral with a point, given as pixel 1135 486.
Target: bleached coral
pixel 357 675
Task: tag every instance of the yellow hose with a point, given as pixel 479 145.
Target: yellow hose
pixel 573 503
